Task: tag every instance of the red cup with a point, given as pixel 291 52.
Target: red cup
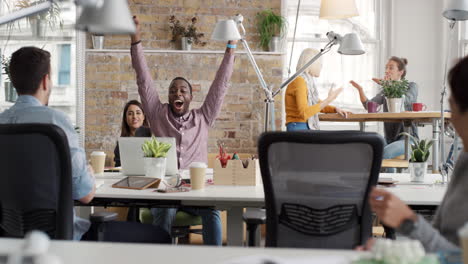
pixel 419 107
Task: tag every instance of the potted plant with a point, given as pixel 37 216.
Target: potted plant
pixel 420 150
pixel 10 91
pixel 155 157
pixel 394 92
pixel 39 22
pixel 272 28
pixel 185 35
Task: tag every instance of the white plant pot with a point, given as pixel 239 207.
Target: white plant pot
pixel 186 44
pixel 394 105
pixel 98 41
pixel 418 171
pixel 275 44
pixel 155 167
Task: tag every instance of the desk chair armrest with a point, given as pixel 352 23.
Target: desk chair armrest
pixel 102 217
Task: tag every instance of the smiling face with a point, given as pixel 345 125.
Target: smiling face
pixel 134 118
pixel 392 72
pixel 180 97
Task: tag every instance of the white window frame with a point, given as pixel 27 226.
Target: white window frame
pixel 384 10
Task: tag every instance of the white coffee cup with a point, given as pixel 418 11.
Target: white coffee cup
pixel 98 159
pixel 463 236
pixel 197 175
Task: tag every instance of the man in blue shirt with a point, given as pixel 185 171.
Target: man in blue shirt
pixel 30 75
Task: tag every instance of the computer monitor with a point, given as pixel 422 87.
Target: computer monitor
pixel 131 155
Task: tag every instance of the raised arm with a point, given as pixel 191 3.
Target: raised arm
pixel 148 93
pixel 214 99
pixel 379 98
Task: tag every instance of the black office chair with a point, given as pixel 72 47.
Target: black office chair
pixel 316 187
pixel 35 182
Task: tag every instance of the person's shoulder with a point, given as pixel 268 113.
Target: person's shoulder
pixel 298 82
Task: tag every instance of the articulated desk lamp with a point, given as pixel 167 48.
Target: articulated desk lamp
pixel 97 16
pixel 225 30
pixel 456 10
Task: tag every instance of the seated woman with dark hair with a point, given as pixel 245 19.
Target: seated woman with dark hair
pixel 134 123
pixel 451 215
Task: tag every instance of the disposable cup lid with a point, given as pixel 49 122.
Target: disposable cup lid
pixel 98 153
pixel 198 165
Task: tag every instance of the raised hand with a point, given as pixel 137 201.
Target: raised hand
pixel 136 37
pixel 356 85
pixel 333 93
pixel 377 80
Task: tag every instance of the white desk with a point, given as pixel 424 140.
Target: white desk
pixel 121 253
pixel 427 194
pixel 234 199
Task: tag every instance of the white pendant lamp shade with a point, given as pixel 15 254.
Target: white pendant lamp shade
pixel 226 30
pixel 113 17
pixel 351 45
pixel 338 9
pixel 456 10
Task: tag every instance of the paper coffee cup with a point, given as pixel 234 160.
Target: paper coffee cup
pixel 463 236
pixel 98 159
pixel 197 175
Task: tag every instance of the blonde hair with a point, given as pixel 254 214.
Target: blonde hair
pixel 305 57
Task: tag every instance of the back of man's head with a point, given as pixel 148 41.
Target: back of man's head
pixel 28 66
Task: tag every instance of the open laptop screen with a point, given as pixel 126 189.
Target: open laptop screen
pixel 131 155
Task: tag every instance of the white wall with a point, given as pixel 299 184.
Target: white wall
pixel 419 32
pixel 416 34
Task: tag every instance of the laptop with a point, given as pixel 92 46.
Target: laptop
pixel 131 155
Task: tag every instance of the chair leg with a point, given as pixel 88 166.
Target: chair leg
pixel 175 240
pixel 252 233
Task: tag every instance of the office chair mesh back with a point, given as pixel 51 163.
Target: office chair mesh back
pixel 316 185
pixel 35 182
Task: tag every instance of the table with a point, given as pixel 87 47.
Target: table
pixel 72 252
pixel 234 199
pixel 418 196
pixel 414 117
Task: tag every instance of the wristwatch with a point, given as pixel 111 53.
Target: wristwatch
pixel 407 226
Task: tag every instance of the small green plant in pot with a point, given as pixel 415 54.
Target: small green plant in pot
pixel 155 157
pixel 272 29
pixel 394 92
pixel 420 151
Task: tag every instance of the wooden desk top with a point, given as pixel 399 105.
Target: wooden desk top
pixel 422 117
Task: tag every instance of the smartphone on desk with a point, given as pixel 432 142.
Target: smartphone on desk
pixel 173 190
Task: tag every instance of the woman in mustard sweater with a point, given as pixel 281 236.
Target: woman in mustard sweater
pixel 302 101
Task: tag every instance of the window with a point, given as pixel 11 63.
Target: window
pixel 464 38
pixel 57 38
pixel 64 65
pixel 338 69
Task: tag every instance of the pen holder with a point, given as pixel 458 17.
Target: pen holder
pixel 236 174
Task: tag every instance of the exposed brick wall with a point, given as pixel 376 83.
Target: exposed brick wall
pixel 110 79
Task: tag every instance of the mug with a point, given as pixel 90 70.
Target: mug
pixel 373 107
pixel 419 107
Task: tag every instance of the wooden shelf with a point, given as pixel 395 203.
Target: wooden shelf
pixel 182 51
pixel 31 38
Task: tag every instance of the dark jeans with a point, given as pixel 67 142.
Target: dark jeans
pixel 129 232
